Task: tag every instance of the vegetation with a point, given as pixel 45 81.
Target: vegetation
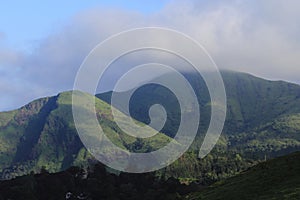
pixel 262 122
pixel 42 133
pixel 93 183
pixel 274 179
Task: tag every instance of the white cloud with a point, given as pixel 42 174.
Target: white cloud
pixel 260 37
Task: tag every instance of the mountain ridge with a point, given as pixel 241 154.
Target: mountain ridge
pixel 25 146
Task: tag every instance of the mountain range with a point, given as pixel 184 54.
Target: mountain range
pixel 263 122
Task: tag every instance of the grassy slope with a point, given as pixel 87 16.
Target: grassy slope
pixel 13 126
pixel 42 133
pixel 254 101
pixel 275 179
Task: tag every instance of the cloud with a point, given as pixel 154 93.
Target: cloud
pixel 259 37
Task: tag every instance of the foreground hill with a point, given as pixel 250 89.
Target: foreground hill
pixel 275 179
pixel 93 184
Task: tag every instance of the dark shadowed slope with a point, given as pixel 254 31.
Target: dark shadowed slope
pixel 275 179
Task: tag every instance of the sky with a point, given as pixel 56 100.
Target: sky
pixel 43 43
pixel 24 22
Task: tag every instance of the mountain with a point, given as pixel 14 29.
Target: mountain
pixel 42 134
pixel 275 179
pixel 261 114
pixel 252 101
pixel 262 122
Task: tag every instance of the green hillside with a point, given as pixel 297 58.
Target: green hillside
pixel 262 122
pixel 42 134
pixel 275 179
pixel 252 101
pixel 258 111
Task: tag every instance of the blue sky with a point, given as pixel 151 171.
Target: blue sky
pixel 24 22
pixel 43 43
